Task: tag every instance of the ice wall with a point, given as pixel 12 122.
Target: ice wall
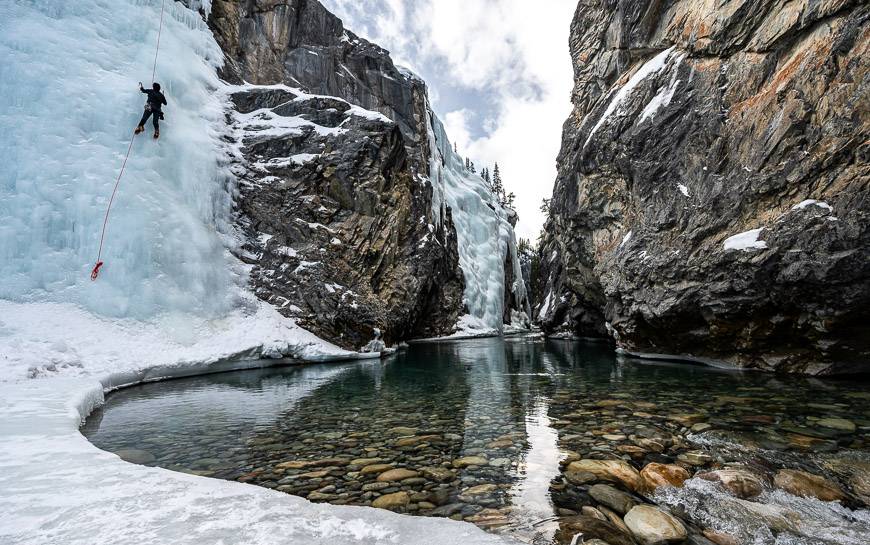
pixel 486 237
pixel 68 103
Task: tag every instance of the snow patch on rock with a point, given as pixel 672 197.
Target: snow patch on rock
pixel 812 202
pixel 652 66
pixel 746 241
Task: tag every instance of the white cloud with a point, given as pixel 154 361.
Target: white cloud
pixel 511 55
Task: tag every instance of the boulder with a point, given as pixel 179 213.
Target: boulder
pixel 655 475
pixel 615 499
pixel 393 501
pixel 739 482
pixel 618 471
pixel 805 485
pixel 652 526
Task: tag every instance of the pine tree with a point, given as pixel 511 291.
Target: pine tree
pixel 545 207
pixel 467 163
pixel 471 167
pixel 497 185
pixel 455 149
pixel 509 200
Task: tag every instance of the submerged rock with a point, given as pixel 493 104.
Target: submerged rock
pixel 655 475
pixel 590 528
pixel 608 470
pixel 393 501
pixel 136 456
pixel 840 424
pixel 741 483
pixel 613 498
pixel 397 475
pixel 805 484
pixel 470 461
pixel 652 526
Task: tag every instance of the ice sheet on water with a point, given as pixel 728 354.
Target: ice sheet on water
pixel 70 101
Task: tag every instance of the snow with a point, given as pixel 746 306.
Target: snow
pixel 485 235
pixel 409 74
pixel 651 67
pixel 303 158
pixel 746 241
pixel 663 97
pixel 49 339
pixel 305 265
pixel 812 202
pixel 369 114
pixel 286 251
pixel 684 190
pixel 545 308
pixel 626 238
pixel 265 122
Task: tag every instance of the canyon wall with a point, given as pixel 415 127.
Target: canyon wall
pixel 713 191
pixel 342 205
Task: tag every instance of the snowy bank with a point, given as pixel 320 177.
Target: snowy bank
pixel 57 488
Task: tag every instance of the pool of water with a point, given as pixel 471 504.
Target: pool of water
pixel 483 431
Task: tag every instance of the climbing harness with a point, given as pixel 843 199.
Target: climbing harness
pixel 96 271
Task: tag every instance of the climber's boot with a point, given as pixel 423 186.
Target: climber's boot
pixel 139 129
pixel 156 135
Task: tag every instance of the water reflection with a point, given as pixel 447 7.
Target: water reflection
pixel 471 430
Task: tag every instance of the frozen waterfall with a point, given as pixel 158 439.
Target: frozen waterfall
pixel 485 235
pixel 68 83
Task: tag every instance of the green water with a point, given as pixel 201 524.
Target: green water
pixel 483 428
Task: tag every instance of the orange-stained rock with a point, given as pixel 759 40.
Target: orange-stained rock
pixel 655 475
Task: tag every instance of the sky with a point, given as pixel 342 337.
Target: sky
pixel 499 76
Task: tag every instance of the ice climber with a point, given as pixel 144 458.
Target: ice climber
pixel 153 106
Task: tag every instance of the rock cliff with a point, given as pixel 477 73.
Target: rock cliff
pixel 344 223
pixel 713 194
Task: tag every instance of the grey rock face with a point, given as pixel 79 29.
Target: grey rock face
pixel 336 222
pixel 695 123
pixel 300 43
pixel 334 202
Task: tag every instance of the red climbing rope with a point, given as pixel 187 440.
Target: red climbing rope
pixel 96 270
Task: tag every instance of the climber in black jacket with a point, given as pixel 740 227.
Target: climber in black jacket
pixel 153 106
